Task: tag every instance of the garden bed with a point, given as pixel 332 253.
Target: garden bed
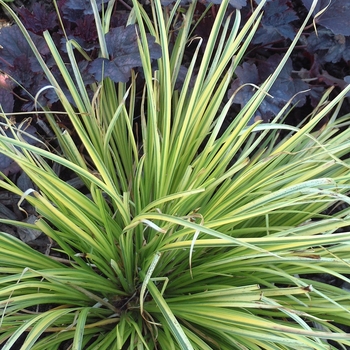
pixel 153 174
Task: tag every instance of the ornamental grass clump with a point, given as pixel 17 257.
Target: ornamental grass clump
pixel 185 236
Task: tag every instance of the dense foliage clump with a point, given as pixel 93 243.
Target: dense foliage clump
pixel 170 220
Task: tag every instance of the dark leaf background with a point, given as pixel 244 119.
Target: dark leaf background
pixel 124 54
pixel 313 59
pixel 329 47
pixel 283 90
pixel 38 19
pixel 336 17
pixel 6 163
pixel 6 99
pixel 275 25
pixel 15 45
pixel 73 10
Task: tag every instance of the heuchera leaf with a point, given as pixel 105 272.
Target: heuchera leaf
pixel 18 61
pixel 275 23
pixel 84 33
pixel 6 100
pixel 169 2
pixel 336 17
pixel 124 55
pixel 247 73
pixel 102 68
pixel 122 41
pixel 50 94
pixel 285 86
pixel 7 165
pixel 283 90
pixel 238 4
pixel 21 71
pixel 73 10
pixel 13 45
pixel 6 96
pixel 329 47
pixel 38 19
pixel 86 29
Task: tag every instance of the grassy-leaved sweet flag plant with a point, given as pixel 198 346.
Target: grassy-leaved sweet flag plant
pixel 185 235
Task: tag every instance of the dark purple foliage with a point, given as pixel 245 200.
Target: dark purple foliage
pixel 280 22
pixel 14 45
pixel 329 47
pixel 286 85
pixel 7 165
pixel 124 54
pixel 275 24
pixel 248 74
pixel 74 10
pixel 336 17
pixel 38 19
pixel 84 33
pixel 123 50
pixel 238 4
pixel 18 60
pixel 6 98
pixel 283 90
